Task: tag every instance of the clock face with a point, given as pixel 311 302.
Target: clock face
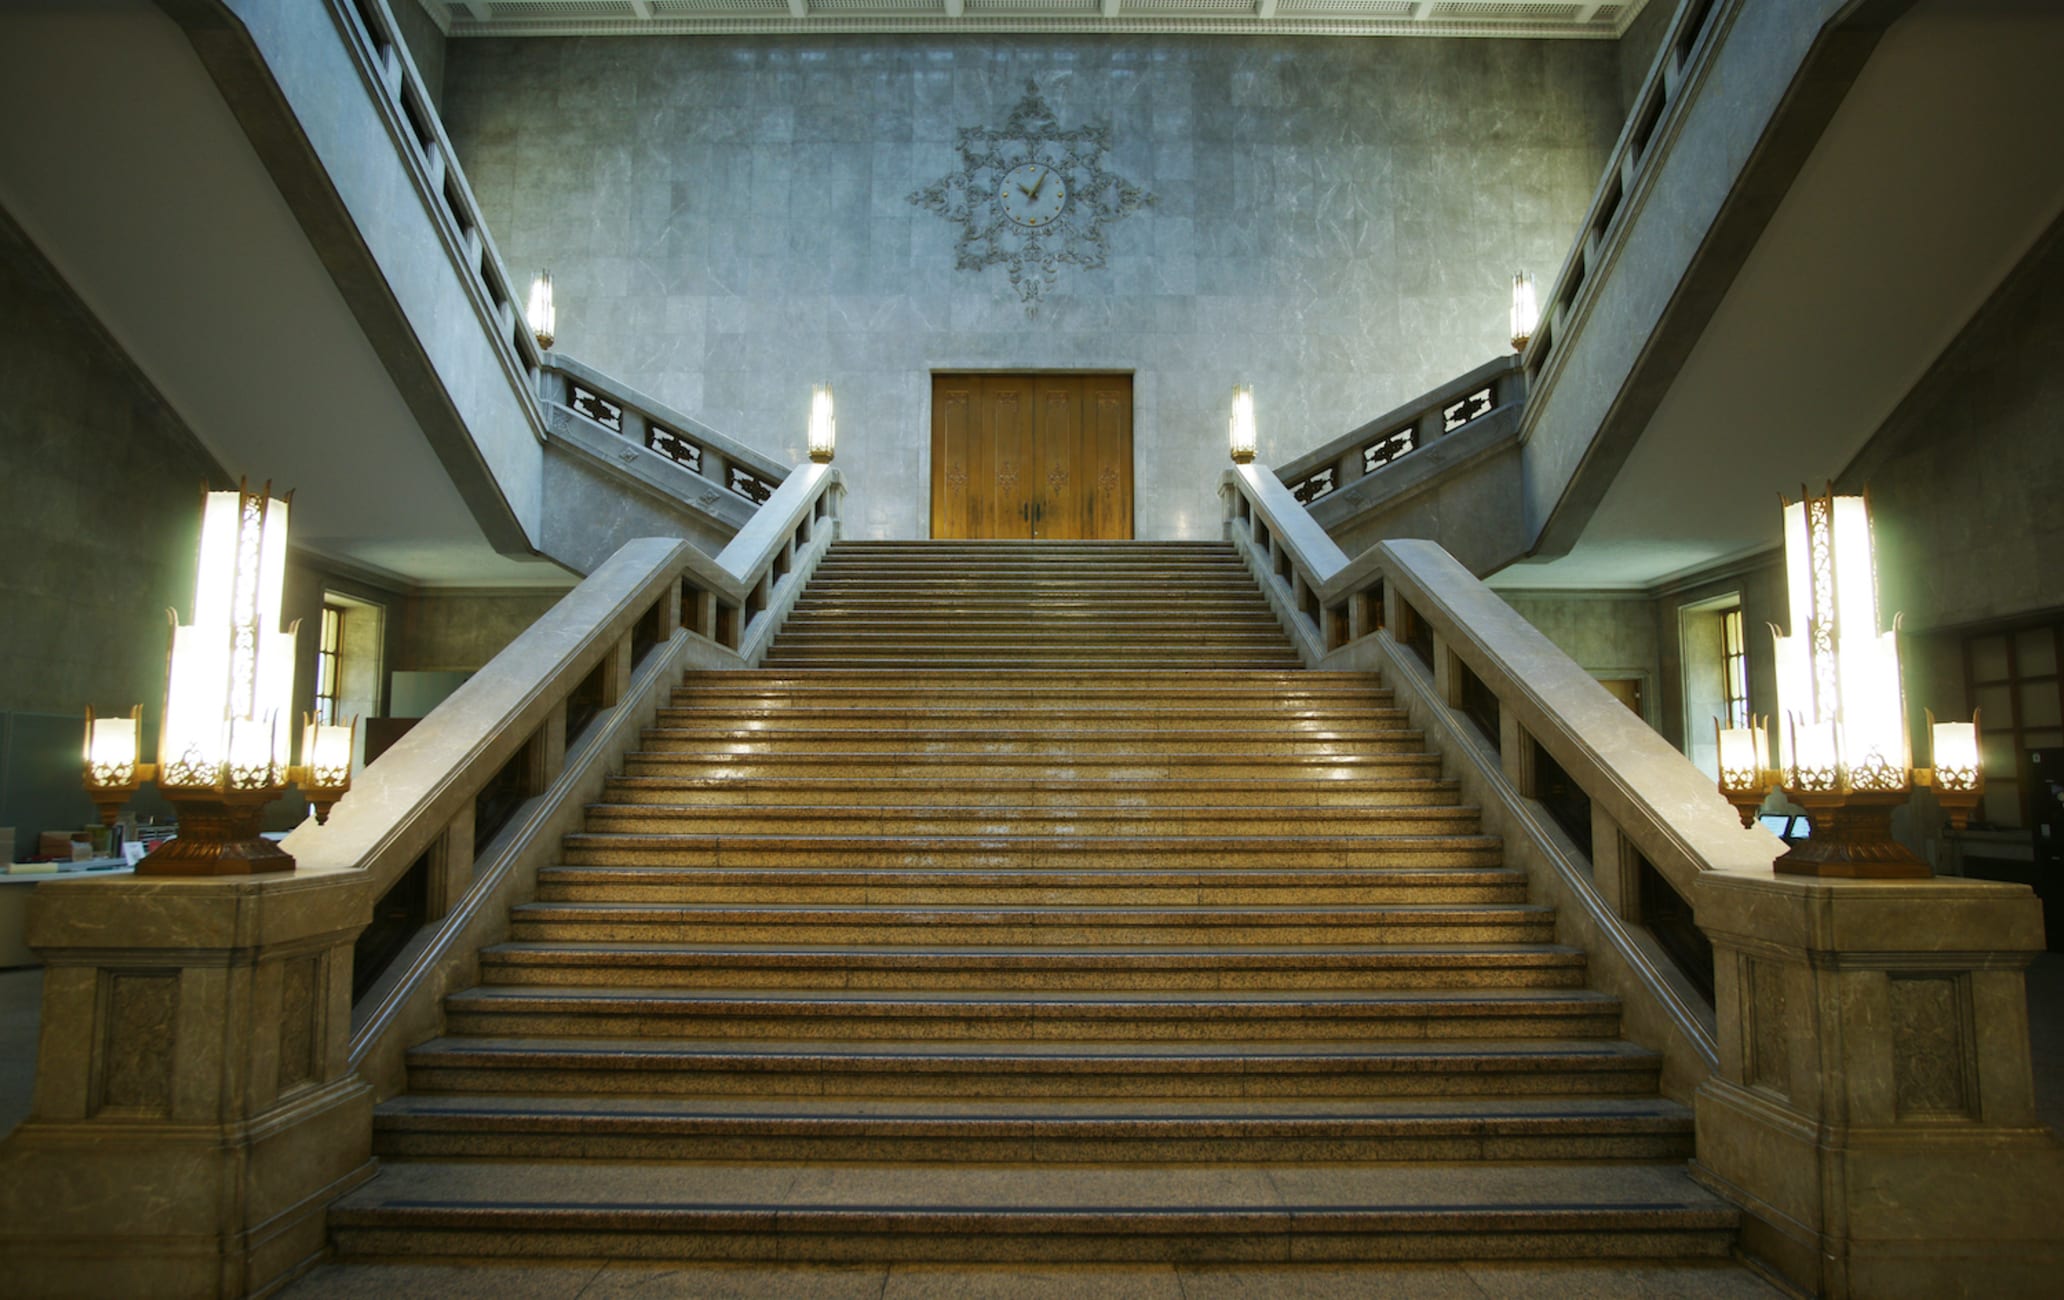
pixel 1032 194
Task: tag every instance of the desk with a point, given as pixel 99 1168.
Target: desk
pixel 14 905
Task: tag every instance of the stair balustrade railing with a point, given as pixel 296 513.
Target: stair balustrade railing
pixel 1847 1045
pixel 451 824
pixel 551 380
pixel 1474 424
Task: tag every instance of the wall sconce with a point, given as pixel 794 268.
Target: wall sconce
pixel 1526 310
pixel 1240 425
pixel 542 315
pixel 1843 753
pixel 229 680
pixel 823 424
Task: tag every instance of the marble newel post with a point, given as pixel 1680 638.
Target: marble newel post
pixel 194 1111
pixel 1874 1107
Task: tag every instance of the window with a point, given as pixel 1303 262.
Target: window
pixel 1734 669
pixel 326 654
pixel 2011 679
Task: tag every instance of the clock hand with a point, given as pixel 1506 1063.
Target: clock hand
pixel 1033 193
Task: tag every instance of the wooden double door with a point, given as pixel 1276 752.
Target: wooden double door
pixel 1032 456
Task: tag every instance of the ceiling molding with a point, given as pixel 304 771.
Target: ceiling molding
pixel 1505 19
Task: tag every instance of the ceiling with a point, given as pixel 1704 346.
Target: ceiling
pixel 168 226
pixel 1496 18
pixel 1935 176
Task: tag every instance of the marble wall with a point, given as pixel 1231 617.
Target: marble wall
pixel 1335 222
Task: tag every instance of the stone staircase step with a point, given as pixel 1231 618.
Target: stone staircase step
pixel 1007 1069
pixel 1222 887
pixel 781 716
pixel 1048 853
pixel 838 1015
pixel 443 1126
pixel 961 767
pixel 1136 1213
pixel 1252 967
pixel 1167 819
pixel 1097 792
pixel 721 923
pixel 1185 742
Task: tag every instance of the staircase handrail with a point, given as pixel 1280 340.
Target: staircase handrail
pixel 543 722
pixel 1508 384
pixel 544 379
pixel 615 407
pixel 1629 171
pixel 1495 387
pixel 1410 610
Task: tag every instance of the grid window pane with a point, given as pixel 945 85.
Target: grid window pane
pixel 2035 652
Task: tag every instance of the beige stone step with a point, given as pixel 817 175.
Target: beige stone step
pixel 773 715
pixel 1056 886
pixel 1073 743
pixel 1170 661
pixel 941 924
pixel 1012 1070
pixel 1412 786
pixel 1010 1213
pixel 1007 852
pixel 937 819
pixel 969 767
pixel 1028 1131
pixel 1253 967
pixel 837 1015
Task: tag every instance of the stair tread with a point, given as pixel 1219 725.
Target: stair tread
pixel 1239 1056
pixel 1022 1198
pixel 1097 1112
pixel 1452 1001
pixel 1242 954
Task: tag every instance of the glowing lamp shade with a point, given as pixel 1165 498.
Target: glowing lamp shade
pixel 1526 311
pixel 542 316
pixel 1844 726
pixel 1240 425
pixel 823 424
pixel 230 681
pixel 325 771
pixel 111 750
pixel 1743 752
pixel 1955 749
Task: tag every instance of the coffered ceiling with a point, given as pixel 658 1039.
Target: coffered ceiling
pixel 1497 18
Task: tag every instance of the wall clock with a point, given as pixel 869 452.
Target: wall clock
pixel 1031 197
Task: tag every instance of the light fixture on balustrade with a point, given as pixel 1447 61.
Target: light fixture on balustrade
pixel 1526 311
pixel 823 424
pixel 224 748
pixel 1843 754
pixel 1240 424
pixel 540 313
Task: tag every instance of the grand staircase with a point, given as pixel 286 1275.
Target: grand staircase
pixel 1032 904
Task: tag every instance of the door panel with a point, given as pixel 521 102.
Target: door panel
pixel 1022 456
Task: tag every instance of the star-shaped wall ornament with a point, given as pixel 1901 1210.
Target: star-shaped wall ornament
pixel 1031 196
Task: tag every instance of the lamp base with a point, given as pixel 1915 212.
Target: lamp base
pixel 218 836
pixel 1852 839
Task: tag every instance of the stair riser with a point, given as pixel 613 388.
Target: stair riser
pixel 986 896
pixel 861 930
pixel 1287 1024
pixel 720 976
pixel 944 1142
pixel 672 1078
pixel 1003 855
pixel 935 745
pixel 1051 795
pixel 1020 822
pixel 934 768
pixel 798 717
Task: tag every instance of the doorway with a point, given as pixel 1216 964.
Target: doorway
pixel 1032 456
